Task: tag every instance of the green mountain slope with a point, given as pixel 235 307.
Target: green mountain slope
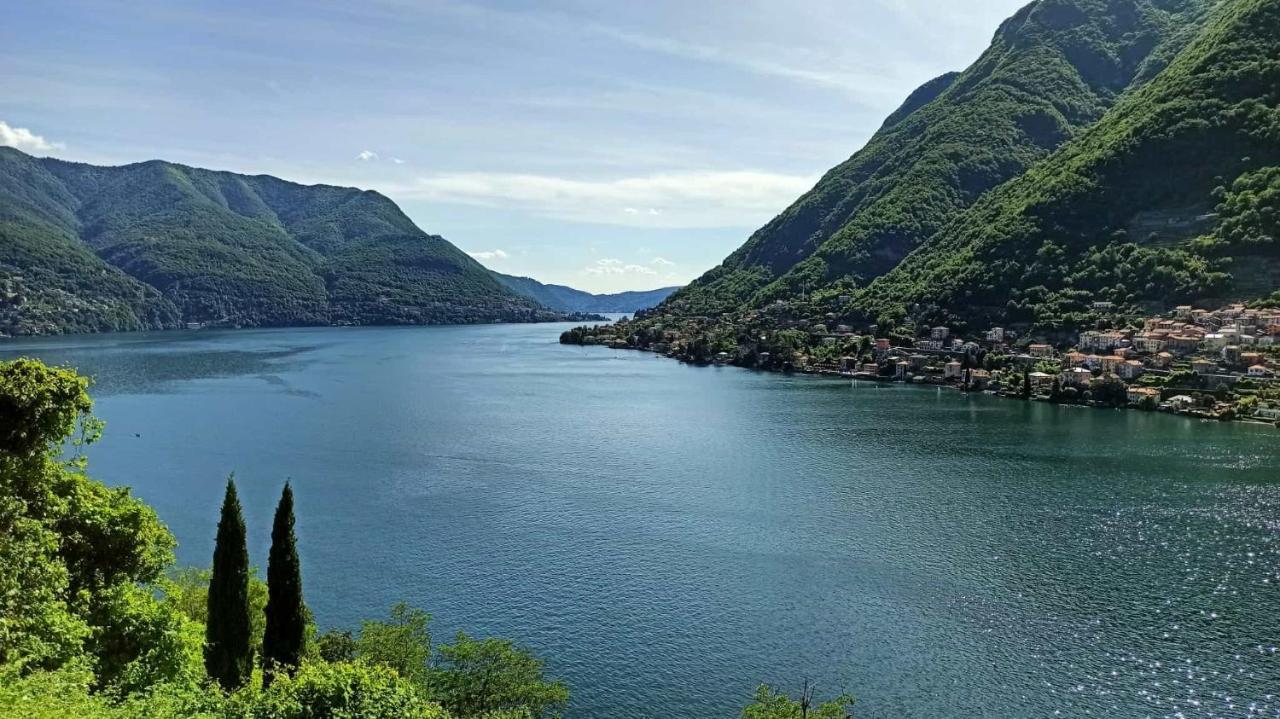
pixel 1202 139
pixel 568 299
pixel 1052 69
pixel 149 245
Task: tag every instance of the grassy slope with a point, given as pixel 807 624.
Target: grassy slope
pixel 202 245
pixel 1204 131
pixel 1051 70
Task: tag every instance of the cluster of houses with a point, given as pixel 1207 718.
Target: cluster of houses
pixel 1220 346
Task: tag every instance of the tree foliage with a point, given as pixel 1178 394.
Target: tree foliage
pixel 286 613
pixel 228 652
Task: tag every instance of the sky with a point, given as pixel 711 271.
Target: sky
pixel 604 145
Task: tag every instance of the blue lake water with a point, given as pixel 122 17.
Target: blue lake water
pixel 667 537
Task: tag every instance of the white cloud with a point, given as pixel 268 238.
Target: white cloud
pixel 397 160
pixel 709 198
pixel 609 266
pixel 366 155
pixel 613 266
pixel 485 255
pixel 24 139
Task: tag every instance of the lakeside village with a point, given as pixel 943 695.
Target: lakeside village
pixel 1215 364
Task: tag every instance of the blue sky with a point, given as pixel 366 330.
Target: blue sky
pixel 604 145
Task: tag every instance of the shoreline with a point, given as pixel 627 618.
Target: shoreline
pixel 588 317
pixel 866 377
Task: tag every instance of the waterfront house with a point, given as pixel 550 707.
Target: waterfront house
pixel 1162 360
pixel 939 333
pixel 1041 381
pixel 1182 312
pixel 1130 370
pixel 1181 401
pixel 901 369
pixel 1075 359
pixel 952 370
pixel 979 378
pixel 1041 351
pixel 1258 371
pixel 1076 377
pixel 1093 362
pixel 1136 395
pixel 1111 363
pixel 996 334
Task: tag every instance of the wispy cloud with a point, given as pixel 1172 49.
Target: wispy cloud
pixel 367 155
pixel 614 266
pixel 486 255
pixel 677 199
pixel 662 262
pixel 810 70
pixel 24 139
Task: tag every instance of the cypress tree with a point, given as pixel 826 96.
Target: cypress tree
pixel 286 613
pixel 228 657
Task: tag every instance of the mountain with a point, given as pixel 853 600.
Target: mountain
pixel 1104 160
pixel 1052 70
pixel 155 244
pixel 1173 196
pixel 567 299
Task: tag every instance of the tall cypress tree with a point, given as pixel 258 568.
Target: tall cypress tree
pixel 228 657
pixel 286 613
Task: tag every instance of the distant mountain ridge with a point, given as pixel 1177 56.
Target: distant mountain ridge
pixel 568 299
pixel 154 244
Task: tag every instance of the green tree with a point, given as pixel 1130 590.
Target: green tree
pixel 340 690
pixel 1026 383
pixel 75 555
pixel 402 643
pixel 187 591
pixel 337 645
pixel 477 676
pixel 228 657
pixel 285 632
pixel 770 704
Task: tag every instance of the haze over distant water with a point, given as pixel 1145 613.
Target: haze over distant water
pixel 667 536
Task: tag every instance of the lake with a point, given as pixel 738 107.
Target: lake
pixel 667 536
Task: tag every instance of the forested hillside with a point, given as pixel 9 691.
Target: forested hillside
pixel 1052 70
pixel 1104 160
pixel 152 245
pixel 1201 141
pixel 568 299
